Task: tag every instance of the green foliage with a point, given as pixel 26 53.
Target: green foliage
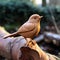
pixel 19 12
pixel 15 13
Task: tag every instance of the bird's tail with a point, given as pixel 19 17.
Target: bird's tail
pixel 11 35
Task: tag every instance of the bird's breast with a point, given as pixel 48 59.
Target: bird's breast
pixel 38 28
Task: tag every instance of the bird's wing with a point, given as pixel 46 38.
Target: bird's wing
pixel 26 27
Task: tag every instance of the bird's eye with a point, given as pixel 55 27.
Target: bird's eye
pixel 34 17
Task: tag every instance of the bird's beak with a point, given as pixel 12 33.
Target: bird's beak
pixel 41 16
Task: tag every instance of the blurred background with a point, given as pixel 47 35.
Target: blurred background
pixel 13 13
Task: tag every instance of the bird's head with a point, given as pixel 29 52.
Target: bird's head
pixel 35 18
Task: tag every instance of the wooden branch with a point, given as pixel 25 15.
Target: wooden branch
pixel 52 37
pixel 19 48
pixel 39 38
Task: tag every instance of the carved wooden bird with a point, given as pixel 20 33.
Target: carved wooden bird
pixel 30 28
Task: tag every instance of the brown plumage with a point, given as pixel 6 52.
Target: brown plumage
pixel 30 28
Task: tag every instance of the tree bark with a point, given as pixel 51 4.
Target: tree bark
pixel 19 48
pixel 52 37
pixel 43 2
